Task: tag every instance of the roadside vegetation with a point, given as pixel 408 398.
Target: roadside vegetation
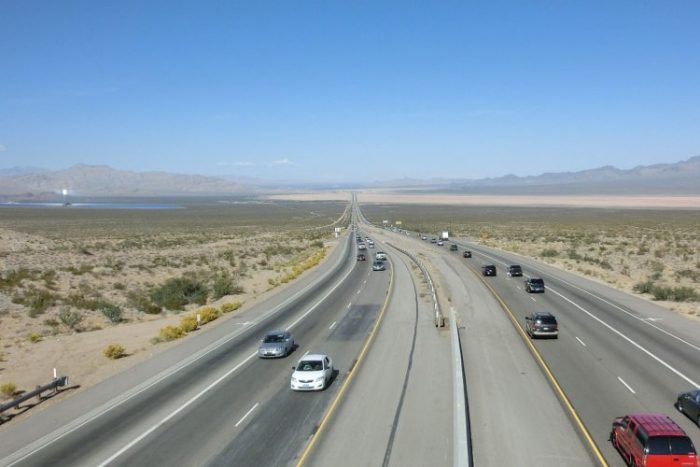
pixel 68 271
pixel 655 253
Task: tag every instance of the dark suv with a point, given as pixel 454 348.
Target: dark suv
pixel 467 254
pixel 542 324
pixel 515 270
pixel 453 247
pixel 534 285
pixel 488 270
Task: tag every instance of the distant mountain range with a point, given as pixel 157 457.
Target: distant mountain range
pixel 104 181
pixel 681 178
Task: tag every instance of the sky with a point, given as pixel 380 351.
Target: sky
pixel 349 91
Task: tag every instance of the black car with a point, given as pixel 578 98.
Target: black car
pixel 514 270
pixel 689 404
pixel 488 270
pixel 453 247
pixel 467 254
pixel 361 257
pixel 534 285
pixel 542 324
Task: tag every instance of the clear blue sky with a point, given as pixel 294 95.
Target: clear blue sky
pixel 352 90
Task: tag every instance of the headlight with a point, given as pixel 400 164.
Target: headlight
pixel 294 380
pixel 320 378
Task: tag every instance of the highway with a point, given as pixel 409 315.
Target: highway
pixel 224 406
pixel 616 353
pixel 210 401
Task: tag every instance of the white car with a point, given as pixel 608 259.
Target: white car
pixel 312 373
pixel 380 256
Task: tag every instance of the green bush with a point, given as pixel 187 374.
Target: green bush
pixel 175 293
pixel 225 284
pixel 70 318
pixel 111 311
pixel 114 351
pixel 549 253
pixel 140 300
pixel 37 300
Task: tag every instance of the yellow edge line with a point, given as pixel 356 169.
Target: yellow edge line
pixel 351 375
pixel 560 392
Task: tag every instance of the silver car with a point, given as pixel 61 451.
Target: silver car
pixel 276 344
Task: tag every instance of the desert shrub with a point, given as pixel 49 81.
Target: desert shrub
pixel 175 293
pixel 81 301
pixel 643 287
pixel 572 254
pixel 34 337
pixel 8 389
pixel 549 253
pixel 49 278
pixel 70 318
pixel 230 306
pixel 111 311
pixel 606 265
pixel 208 313
pixel 170 333
pixel 114 351
pixel 14 278
pixel 119 286
pixel 37 300
pixel 225 284
pixel 188 323
pixel 140 300
pixel 51 322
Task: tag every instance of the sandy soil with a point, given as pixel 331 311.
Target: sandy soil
pixel 79 354
pixel 385 196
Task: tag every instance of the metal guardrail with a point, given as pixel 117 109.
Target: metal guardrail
pixel 462 454
pixel 53 385
pixel 439 318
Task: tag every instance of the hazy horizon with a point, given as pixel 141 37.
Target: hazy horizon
pixel 349 93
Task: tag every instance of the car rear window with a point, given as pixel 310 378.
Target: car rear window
pixel 658 445
pixel 537 281
pixel 547 319
pixel 681 445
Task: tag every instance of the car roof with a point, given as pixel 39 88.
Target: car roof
pixel 543 313
pixel 276 333
pixel 657 424
pixel 313 356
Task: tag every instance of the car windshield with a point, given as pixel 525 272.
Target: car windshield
pixel 273 338
pixel 681 445
pixel 310 365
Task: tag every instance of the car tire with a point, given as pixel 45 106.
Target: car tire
pixel 698 421
pixel 678 406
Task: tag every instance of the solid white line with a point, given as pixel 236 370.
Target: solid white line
pixel 581 342
pixel 533 299
pixel 306 353
pixel 349 305
pixel 246 414
pixel 607 302
pixel 176 411
pixel 332 325
pixel 358 292
pixel 626 385
pixel 643 349
pixel 78 423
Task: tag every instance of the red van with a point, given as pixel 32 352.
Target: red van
pixel 652 440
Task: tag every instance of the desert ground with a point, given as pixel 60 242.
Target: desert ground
pixel 654 253
pixel 386 196
pixel 73 281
